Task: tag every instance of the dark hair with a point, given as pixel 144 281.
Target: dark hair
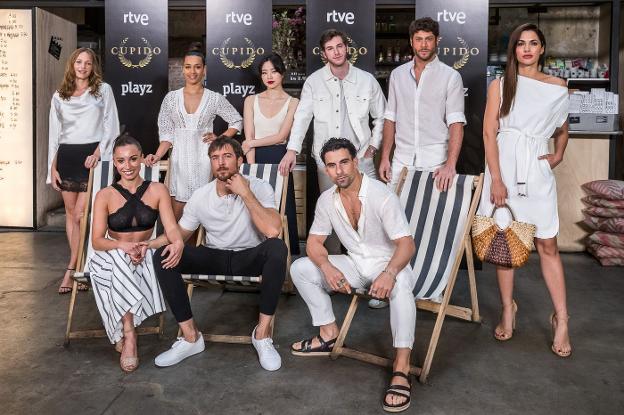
pixel 510 78
pixel 329 34
pixel 224 140
pixel 276 61
pixel 426 24
pixel 196 49
pixel 127 140
pixel 335 144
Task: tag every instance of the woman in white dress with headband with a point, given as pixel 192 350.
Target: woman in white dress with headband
pixel 524 110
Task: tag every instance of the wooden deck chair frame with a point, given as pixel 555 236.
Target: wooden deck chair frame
pixel 79 276
pixel 442 309
pixel 192 281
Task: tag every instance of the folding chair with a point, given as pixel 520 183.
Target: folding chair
pixel 99 178
pixel 269 173
pixel 440 224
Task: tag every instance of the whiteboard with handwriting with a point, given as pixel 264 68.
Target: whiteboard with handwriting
pixel 16 118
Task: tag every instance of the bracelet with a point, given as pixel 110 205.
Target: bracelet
pixel 392 274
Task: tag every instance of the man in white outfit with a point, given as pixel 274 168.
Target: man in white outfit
pixel 368 219
pixel 425 114
pixel 340 98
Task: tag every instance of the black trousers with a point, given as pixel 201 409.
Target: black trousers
pixel 273 155
pixel 267 259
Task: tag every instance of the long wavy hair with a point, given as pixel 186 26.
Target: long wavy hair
pixel 68 86
pixel 510 79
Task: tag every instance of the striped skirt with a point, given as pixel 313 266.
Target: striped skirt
pixel 121 287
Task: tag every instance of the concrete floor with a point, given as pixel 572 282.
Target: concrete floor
pixel 471 374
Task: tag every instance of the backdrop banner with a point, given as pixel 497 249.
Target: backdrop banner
pixel 463 45
pixel 136 64
pixel 355 18
pixel 238 35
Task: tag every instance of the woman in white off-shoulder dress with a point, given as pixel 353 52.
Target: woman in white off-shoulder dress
pixel 185 122
pixel 524 110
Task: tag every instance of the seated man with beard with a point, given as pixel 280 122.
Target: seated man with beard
pixel 242 228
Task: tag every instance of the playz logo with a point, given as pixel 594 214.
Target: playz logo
pixel 242 90
pixel 135 89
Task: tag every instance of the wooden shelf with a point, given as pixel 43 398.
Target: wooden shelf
pixel 576 132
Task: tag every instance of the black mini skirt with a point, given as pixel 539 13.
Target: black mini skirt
pixel 70 160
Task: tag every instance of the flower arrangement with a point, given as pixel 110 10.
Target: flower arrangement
pixel 289 37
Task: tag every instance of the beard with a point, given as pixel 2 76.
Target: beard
pixel 223 174
pixel 427 57
pixel 344 181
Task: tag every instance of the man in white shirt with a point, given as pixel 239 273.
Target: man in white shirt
pixel 340 98
pixel 424 116
pixel 242 228
pixel 368 219
pixel 425 112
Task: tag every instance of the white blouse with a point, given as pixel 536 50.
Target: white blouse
pixel 81 120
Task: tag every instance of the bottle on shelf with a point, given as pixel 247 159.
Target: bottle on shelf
pixel 389 54
pixel 397 53
pixel 380 54
pixel 391 25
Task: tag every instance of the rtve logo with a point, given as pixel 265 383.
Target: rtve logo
pixel 141 18
pixel 340 17
pixel 244 18
pixel 446 16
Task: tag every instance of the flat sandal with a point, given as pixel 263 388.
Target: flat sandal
pixel 398 390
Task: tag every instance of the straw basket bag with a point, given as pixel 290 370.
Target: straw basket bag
pixel 509 247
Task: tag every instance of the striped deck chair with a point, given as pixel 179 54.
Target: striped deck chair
pixel 440 223
pixel 269 173
pixel 99 178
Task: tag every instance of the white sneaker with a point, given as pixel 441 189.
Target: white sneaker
pixel 180 350
pixel 373 303
pixel 269 358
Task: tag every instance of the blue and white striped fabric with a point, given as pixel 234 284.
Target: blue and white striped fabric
pixel 437 220
pixel 268 173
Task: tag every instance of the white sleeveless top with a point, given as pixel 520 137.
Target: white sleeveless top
pixel 263 126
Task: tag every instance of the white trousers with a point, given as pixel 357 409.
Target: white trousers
pixel 313 288
pixel 397 166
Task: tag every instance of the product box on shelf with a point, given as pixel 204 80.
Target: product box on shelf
pixel 593 122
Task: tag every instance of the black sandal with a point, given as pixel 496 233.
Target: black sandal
pixel 398 390
pixel 324 349
pixel 63 289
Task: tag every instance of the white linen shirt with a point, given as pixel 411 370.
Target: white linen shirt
pixel 321 97
pixel 381 221
pixel 81 120
pixel 423 111
pixel 226 219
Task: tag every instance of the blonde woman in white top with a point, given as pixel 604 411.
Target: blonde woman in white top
pixel 268 118
pixel 83 125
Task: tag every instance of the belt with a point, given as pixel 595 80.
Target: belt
pixel 526 156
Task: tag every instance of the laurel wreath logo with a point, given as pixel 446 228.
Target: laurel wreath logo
pixel 464 59
pixel 143 62
pixel 228 63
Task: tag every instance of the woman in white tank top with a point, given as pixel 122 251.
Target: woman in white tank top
pixel 267 120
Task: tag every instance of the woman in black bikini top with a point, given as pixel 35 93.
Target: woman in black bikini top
pixel 121 270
